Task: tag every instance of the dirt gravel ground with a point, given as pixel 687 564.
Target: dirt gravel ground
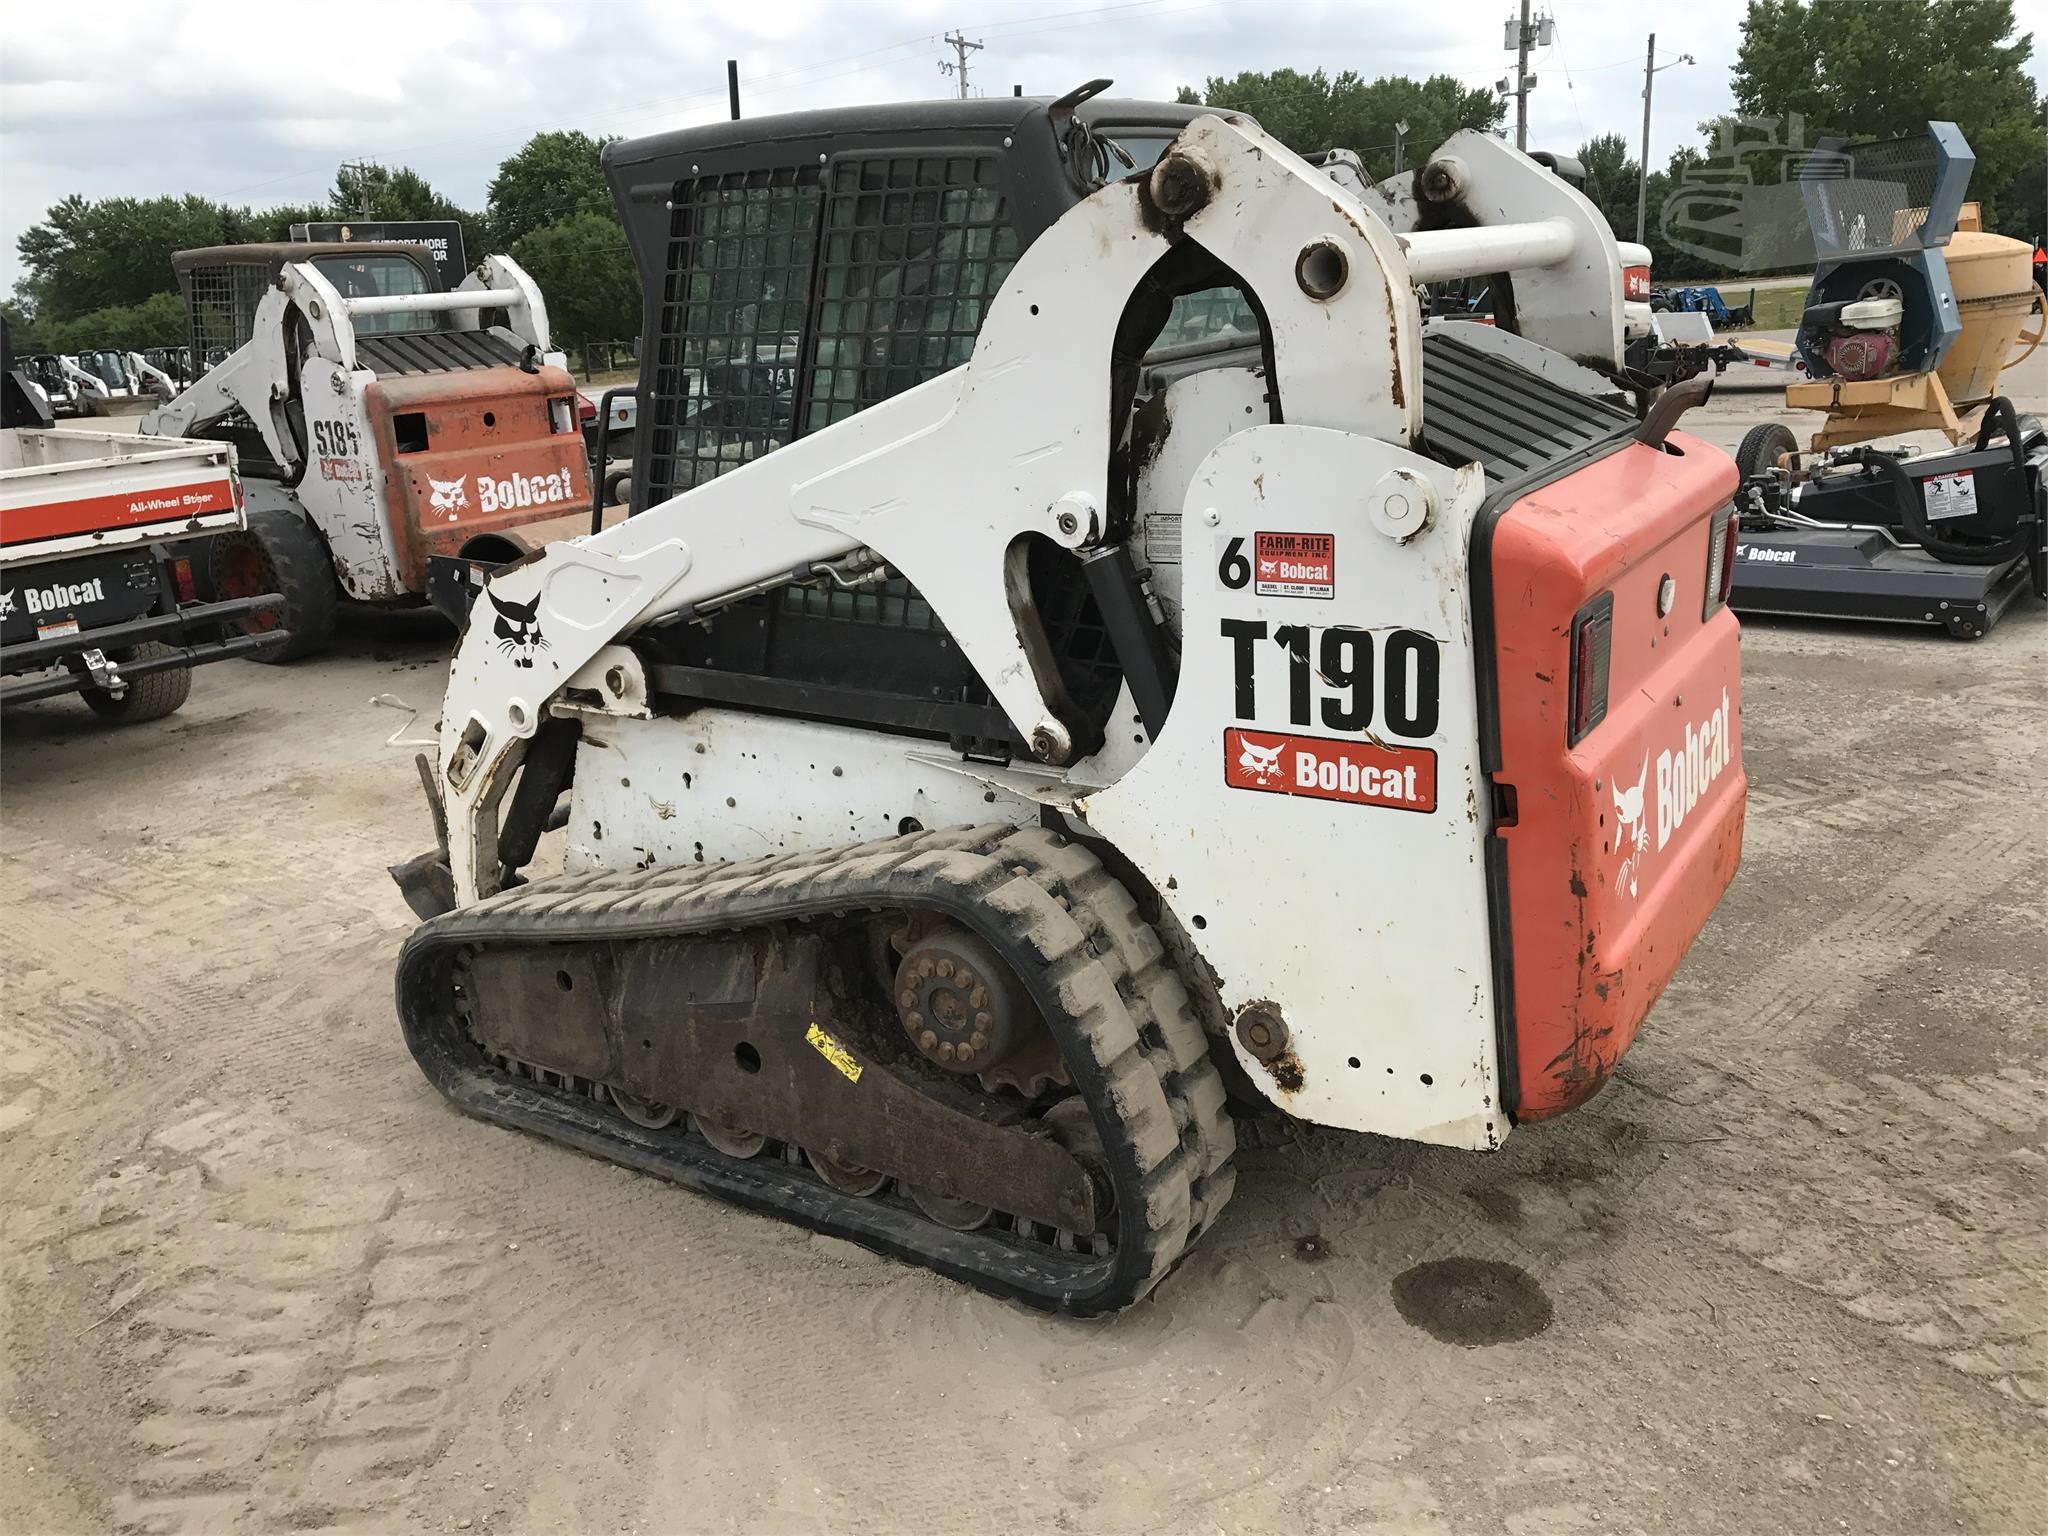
pixel 255 1276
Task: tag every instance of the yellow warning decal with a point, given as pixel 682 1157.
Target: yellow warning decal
pixel 834 1052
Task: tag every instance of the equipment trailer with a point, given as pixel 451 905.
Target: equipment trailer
pixel 983 738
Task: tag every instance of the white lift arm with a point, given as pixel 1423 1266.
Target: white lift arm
pixel 946 481
pixel 152 376
pixel 256 377
pixel 86 383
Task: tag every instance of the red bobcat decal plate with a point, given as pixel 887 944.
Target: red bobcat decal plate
pixel 1325 768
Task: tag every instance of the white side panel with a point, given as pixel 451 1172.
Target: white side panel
pixel 717 785
pixel 1356 909
pixel 1202 409
pixel 343 487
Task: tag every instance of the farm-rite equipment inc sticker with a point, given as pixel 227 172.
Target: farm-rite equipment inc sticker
pixel 1324 768
pixel 1295 565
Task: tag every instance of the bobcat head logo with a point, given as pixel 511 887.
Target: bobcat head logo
pixel 6 603
pixel 1262 763
pixel 450 496
pixel 1629 825
pixel 517 631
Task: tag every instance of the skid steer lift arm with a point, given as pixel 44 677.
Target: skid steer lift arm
pixel 945 482
pixel 304 315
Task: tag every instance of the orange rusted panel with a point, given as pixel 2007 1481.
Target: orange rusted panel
pixel 472 453
pixel 1623 843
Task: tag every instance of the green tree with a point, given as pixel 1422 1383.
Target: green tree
pixel 1611 186
pixel 1611 179
pixel 392 195
pixel 1867 71
pixel 158 321
pixel 586 274
pixel 1313 111
pixel 553 176
pixel 25 333
pixel 85 256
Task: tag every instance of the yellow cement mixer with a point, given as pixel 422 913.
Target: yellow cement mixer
pixel 1994 299
pixel 1913 315
pixel 1915 310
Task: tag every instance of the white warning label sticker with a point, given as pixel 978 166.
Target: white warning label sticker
pixel 1951 496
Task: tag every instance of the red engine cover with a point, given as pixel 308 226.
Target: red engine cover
pixel 1860 355
pixel 1622 843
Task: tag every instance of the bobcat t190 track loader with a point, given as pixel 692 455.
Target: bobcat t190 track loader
pixel 1081 641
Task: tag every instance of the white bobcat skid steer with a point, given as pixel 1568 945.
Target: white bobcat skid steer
pixel 382 422
pixel 1018 726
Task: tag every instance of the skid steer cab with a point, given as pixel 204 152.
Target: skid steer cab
pixel 1084 649
pixel 382 421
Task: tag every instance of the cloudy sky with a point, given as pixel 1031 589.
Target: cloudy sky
pixel 258 102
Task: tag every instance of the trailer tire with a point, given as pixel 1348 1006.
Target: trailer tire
pixel 280 552
pixel 1762 447
pixel 146 698
pixel 618 486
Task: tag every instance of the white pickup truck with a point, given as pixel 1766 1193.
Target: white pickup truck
pixel 96 593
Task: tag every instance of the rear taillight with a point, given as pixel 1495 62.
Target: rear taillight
pixel 181 579
pixel 1592 651
pixel 1720 562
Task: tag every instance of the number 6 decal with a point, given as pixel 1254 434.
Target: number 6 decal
pixel 1234 570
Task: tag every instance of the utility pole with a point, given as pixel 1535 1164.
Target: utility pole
pixel 1521 36
pixel 1650 68
pixel 1400 132
pixel 732 86
pixel 362 175
pixel 1522 39
pixel 962 47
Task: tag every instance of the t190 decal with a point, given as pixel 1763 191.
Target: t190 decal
pixel 1342 678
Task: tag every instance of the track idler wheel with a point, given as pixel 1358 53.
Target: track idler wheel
pixel 947 1211
pixel 649 1113
pixel 847 1178
pixel 730 1140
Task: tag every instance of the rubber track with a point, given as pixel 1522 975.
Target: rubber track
pixel 1097 971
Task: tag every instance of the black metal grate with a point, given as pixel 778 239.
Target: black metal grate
pixel 914 248
pixel 739 270
pixel 434 352
pixel 1477 406
pixel 221 302
pixel 1874 197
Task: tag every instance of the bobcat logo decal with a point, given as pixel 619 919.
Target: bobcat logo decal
pixel 518 632
pixel 6 602
pixel 1631 827
pixel 1263 763
pixel 450 496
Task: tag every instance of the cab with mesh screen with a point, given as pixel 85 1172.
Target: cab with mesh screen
pixel 799 269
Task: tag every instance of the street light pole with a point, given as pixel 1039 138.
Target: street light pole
pixel 1650 68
